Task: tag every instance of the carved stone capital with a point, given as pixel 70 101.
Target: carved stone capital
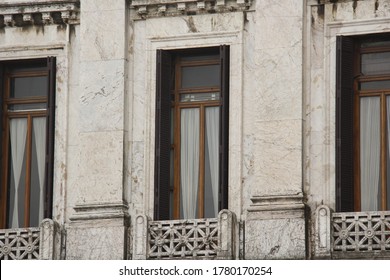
pixel 155 8
pixel 40 12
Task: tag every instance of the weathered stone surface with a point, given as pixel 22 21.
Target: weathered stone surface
pixel 275 228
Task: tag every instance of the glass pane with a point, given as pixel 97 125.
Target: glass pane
pixel 211 162
pixel 26 107
pixel 375 85
pixel 370 153
pixel 189 162
pixel 17 174
pixel 376 63
pixel 196 97
pixel 200 76
pixel 25 87
pixel 200 57
pixel 376 43
pixel 37 171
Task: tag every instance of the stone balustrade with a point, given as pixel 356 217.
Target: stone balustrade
pixel 212 238
pixel 31 243
pixel 352 234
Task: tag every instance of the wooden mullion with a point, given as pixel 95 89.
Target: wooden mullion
pixel 12 101
pixel 28 173
pixel 374 49
pixel 198 90
pixel 176 136
pixel 204 62
pixel 198 104
pixel 383 153
pixel 201 190
pixel 27 74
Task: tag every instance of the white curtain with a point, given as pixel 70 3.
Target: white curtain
pixel 369 152
pixel 189 161
pixel 18 133
pixel 40 143
pixel 212 132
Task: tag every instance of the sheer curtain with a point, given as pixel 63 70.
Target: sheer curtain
pixel 189 161
pixel 40 143
pixel 212 133
pixel 369 152
pixel 18 133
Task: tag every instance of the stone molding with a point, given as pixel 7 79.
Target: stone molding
pixel 41 12
pixel 99 211
pixel 160 8
pixel 276 207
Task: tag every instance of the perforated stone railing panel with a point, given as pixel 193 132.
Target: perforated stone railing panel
pixel 183 239
pixel 19 244
pixel 361 232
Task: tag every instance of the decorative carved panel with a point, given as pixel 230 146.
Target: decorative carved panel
pixel 183 239
pixel 40 12
pixel 361 231
pixel 157 8
pixel 19 244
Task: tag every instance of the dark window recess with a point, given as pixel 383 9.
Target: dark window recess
pixel 178 91
pixel 27 110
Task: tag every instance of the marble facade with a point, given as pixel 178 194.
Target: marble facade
pixel 281 115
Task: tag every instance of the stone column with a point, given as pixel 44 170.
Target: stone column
pixel 99 225
pixel 273 120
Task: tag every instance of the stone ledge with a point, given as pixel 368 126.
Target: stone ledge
pixel 160 8
pixel 276 207
pixel 100 211
pixel 42 12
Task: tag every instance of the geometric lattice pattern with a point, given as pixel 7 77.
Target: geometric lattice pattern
pixel 195 239
pixel 19 244
pixel 361 231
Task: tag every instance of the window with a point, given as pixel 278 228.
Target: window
pixel 363 123
pixel 27 141
pixel 191 133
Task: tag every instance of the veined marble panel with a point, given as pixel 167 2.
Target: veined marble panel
pixel 101 167
pixel 101 101
pixel 277 157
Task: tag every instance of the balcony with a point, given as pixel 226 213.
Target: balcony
pixel 30 243
pixel 185 239
pixel 361 234
pixel 352 235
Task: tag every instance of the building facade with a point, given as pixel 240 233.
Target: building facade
pixel 212 129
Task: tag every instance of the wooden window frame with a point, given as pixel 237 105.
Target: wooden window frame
pixel 348 174
pixel 168 81
pixel 13 69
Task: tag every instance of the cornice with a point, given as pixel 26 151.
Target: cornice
pixel 162 8
pixel 41 12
